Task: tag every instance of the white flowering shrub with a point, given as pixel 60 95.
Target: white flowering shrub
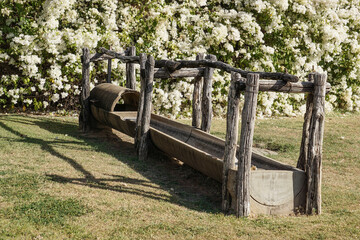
pixel 41 44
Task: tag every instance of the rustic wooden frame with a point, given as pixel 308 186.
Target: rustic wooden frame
pixel 201 69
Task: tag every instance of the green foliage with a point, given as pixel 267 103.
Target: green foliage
pixel 41 44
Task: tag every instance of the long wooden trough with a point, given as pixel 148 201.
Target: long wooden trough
pixel 275 188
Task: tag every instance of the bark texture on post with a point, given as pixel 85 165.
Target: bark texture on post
pixel 196 102
pixel 108 78
pixel 316 135
pixel 141 101
pixel 232 127
pixel 303 156
pixel 245 151
pixel 145 119
pixel 130 70
pixel 206 105
pixel 84 118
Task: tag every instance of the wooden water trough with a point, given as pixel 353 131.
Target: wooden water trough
pixel 275 188
pixel 248 178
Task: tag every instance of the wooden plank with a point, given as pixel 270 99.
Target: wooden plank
pixel 245 151
pixel 184 72
pixel 141 101
pixel 316 135
pixel 145 120
pixel 196 98
pixel 231 138
pixel 303 157
pixel 130 70
pixel 206 104
pixel 287 87
pixel 84 118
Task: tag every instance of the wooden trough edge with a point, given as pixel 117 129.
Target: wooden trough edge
pixel 289 178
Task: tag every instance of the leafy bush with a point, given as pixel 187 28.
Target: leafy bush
pixel 41 42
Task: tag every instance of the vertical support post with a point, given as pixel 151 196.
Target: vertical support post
pixel 130 69
pixel 206 105
pixel 316 135
pixel 84 118
pixel 232 126
pixel 196 102
pixel 141 101
pixel 108 79
pixel 145 120
pixel 245 151
pixel 302 161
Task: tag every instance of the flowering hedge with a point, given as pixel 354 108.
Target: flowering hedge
pixel 41 42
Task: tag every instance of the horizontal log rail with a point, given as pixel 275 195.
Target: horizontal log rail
pixel 281 86
pixel 171 66
pixel 184 68
pixel 184 72
pixel 100 57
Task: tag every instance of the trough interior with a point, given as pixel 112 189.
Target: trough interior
pixel 200 140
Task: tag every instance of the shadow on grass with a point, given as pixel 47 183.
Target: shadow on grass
pixel 193 190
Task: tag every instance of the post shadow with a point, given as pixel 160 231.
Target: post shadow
pixel 197 195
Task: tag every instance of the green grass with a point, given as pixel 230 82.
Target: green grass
pixel 48 210
pixel 56 183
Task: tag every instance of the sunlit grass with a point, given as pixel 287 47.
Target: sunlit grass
pixel 57 183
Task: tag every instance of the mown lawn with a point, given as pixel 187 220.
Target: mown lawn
pixel 56 183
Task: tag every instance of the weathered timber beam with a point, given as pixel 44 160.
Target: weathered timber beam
pixel 184 72
pixel 281 86
pixel 144 140
pixel 143 58
pixel 245 150
pixel 130 69
pixel 206 101
pixel 121 56
pixel 100 57
pixel 231 138
pixel 303 156
pixel 171 65
pixel 108 79
pixel 226 67
pixel 84 118
pixel 197 97
pixel 315 144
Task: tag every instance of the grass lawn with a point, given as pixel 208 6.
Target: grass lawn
pixel 56 183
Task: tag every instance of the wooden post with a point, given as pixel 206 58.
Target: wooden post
pixel 196 102
pixel 316 135
pixel 145 120
pixel 302 161
pixel 141 101
pixel 130 70
pixel 108 79
pixel 245 151
pixel 84 118
pixel 206 105
pixel 232 126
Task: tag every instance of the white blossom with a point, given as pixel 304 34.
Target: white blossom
pixel 28 101
pixel 55 97
pixel 45 104
pixel 64 94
